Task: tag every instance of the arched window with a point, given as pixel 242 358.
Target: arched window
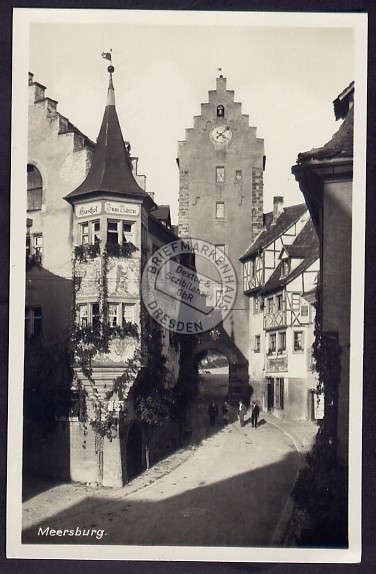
pixel 220 111
pixel 34 188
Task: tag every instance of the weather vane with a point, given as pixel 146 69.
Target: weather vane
pixel 108 56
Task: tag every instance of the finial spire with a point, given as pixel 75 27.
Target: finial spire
pixel 110 69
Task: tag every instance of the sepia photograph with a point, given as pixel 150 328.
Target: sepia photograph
pixel 187 262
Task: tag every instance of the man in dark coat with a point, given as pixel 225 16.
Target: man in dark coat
pixel 212 412
pixel 255 415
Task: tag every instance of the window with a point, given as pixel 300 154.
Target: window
pixel 285 269
pixel 278 302
pixel 88 314
pixel 304 310
pixel 298 341
pixel 112 231
pixel 295 301
pixel 282 342
pixel 219 251
pixel 238 175
pixel 84 233
pixel 34 188
pixel 269 305
pixel 128 233
pixel 220 210
pixel 112 314
pixel 82 315
pixel 252 268
pixel 257 344
pixel 89 232
pixel 120 231
pixel 96 231
pixel 128 313
pixel 220 174
pixel 255 305
pixel 95 314
pixel 220 111
pixel 272 342
pixel 33 322
pixel 279 393
pixel 34 246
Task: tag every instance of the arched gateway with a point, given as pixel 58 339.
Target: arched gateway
pixel 218 340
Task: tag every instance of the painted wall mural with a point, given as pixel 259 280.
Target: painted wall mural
pixel 123 277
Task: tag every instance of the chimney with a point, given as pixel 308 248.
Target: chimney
pixel 277 207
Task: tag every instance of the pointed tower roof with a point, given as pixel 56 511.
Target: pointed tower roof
pixel 111 169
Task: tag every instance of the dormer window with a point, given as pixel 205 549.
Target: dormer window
pixel 220 111
pixel 285 269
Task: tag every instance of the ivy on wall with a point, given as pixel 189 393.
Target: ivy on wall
pixel 154 401
pixel 321 488
pixel 87 342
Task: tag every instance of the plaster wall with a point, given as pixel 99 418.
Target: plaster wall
pixel 336 274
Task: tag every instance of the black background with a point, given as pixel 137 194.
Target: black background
pixel 368 563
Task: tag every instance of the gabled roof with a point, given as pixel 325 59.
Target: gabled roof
pixel 343 102
pixel 272 231
pixel 342 143
pixel 340 146
pixel 111 169
pixel 295 251
pixel 306 242
pixel 162 212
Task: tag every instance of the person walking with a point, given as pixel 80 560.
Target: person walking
pixel 241 413
pixel 225 412
pixel 255 414
pixel 212 412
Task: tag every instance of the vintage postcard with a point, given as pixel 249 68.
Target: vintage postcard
pixel 187 224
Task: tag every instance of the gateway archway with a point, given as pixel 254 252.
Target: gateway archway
pixel 213 370
pixel 218 341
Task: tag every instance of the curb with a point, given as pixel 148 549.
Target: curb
pixel 281 530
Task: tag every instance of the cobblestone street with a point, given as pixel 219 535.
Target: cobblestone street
pixel 228 488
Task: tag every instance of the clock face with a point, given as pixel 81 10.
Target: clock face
pixel 221 135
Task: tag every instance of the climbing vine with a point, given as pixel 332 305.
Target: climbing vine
pixel 321 488
pixel 89 341
pixel 154 401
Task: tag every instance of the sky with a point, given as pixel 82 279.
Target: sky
pixel 286 73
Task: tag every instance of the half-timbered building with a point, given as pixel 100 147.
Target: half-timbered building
pixel 279 276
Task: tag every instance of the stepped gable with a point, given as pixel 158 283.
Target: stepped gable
pixel 272 231
pixel 305 245
pixel 111 169
pixel 50 106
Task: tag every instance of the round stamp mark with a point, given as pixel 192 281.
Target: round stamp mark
pixel 189 286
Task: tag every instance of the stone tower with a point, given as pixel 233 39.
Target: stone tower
pixel 221 165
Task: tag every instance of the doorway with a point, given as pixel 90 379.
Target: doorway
pixel 134 452
pixel 270 395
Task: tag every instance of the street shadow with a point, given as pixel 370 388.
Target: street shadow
pixel 47 396
pixel 32 486
pixel 261 422
pixel 247 422
pixel 242 510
